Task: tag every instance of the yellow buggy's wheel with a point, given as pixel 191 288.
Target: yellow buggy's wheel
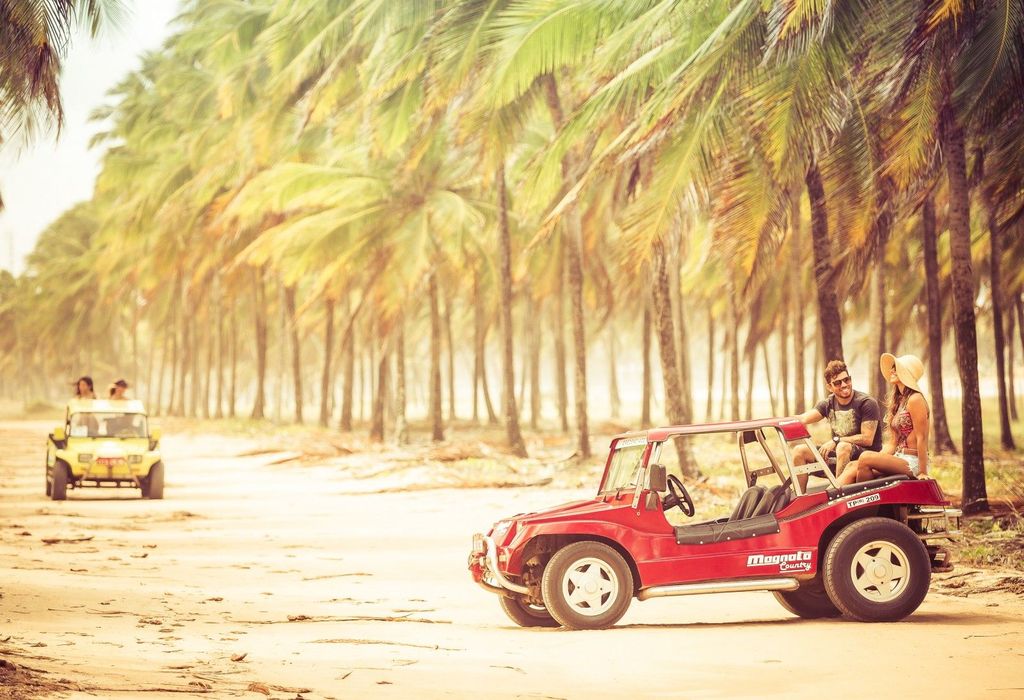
pixel 59 484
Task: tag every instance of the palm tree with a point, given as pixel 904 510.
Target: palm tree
pixel 933 303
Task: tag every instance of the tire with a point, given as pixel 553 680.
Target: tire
pixel 153 486
pixel 587 586
pixel 525 615
pixel 810 601
pixel 59 485
pixel 877 570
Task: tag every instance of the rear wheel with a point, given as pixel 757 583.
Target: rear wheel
pixel 59 486
pixel 876 569
pixel 810 601
pixel 587 586
pixel 153 486
pixel 521 612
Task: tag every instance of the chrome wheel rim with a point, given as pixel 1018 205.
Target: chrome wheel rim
pixel 590 586
pixel 880 571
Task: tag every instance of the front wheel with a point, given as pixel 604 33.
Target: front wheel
pixel 521 612
pixel 59 485
pixel 810 601
pixel 587 586
pixel 153 485
pixel 877 570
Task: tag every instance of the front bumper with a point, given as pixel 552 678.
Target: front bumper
pixel 483 565
pixel 937 522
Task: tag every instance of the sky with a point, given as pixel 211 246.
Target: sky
pixel 42 180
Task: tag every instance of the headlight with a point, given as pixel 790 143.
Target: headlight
pixel 84 458
pixel 134 459
pixel 501 529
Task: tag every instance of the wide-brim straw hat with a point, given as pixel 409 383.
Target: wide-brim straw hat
pixel 909 369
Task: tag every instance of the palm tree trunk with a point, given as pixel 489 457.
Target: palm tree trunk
pixel 751 358
pixel 828 307
pixel 560 357
pixel 207 377
pixel 877 313
pixel 933 304
pixel 219 410
pixel 293 335
pixel 816 370
pixel 711 363
pixel 768 377
pixel 260 312
pixel 796 302
pixel 734 349
pixel 784 358
pixel 645 400
pixel 175 338
pixel 379 399
pixel 1011 389
pixel 666 345
pixel 533 322
pixel 514 437
pixel 348 353
pixel 366 374
pixel 613 380
pixel 152 353
pixel 492 415
pixel 186 361
pixel 401 425
pixel 1018 302
pixel 135 345
pixel 574 255
pixel 163 369
pixel 975 496
pixel 686 397
pixel 233 386
pixel 436 419
pixel 478 351
pixel 451 357
pixel 996 284
pixel 579 337
pixel 196 383
pixel 325 376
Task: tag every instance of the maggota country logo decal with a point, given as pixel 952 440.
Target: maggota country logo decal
pixel 863 501
pixel 796 561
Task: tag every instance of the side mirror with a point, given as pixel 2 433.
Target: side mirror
pixel 154 434
pixel 658 477
pixel 59 434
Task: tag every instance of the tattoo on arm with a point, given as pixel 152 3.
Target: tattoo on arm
pixel 867 432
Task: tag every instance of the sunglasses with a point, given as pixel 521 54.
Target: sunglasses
pixel 840 382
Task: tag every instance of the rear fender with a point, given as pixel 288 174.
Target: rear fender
pixel 888 510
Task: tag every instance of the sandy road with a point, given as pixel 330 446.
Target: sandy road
pixel 332 594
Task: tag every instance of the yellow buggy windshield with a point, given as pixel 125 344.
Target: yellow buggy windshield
pixel 113 425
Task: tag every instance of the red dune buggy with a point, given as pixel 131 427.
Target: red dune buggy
pixel 865 551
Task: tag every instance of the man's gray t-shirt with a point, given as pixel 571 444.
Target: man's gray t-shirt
pixel 846 420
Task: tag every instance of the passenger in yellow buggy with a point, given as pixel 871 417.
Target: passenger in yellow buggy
pixel 117 390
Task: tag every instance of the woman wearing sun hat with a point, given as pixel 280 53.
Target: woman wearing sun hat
pixel 906 451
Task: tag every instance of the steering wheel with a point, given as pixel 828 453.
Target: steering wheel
pixel 678 496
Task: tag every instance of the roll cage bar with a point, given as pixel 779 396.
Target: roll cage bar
pixel 746 433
